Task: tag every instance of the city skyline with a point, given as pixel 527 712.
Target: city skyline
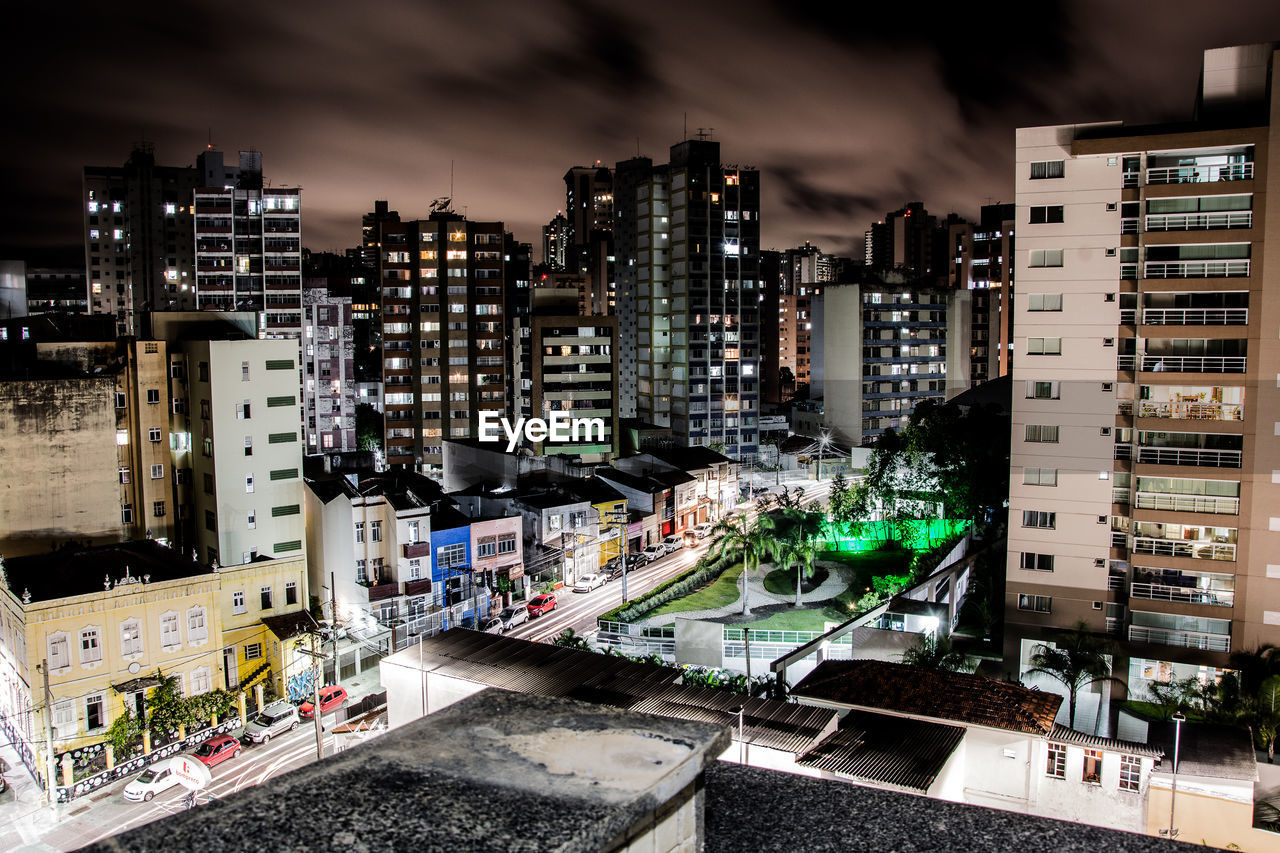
pixel 356 110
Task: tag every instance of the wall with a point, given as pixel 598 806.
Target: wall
pixel 842 357
pixel 1218 812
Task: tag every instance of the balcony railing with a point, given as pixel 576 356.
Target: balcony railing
pixel 1128 316
pixel 1191 411
pixel 1115 582
pixel 1115 625
pixel 1183 456
pixel 1180 548
pixel 1194 363
pixel 1187 595
pixel 1119 496
pixel 1124 452
pixel 1182 639
pixel 1187 503
pixel 1200 174
pixel 1126 362
pixel 1132 180
pixel 1124 407
pixel 1195 316
pixel 1129 225
pixel 1128 271
pixel 384 591
pixel 1196 269
pixel 1193 221
pixel 1119 539
pixel 417 549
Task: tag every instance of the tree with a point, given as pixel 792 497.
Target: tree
pixel 1255 666
pixel 1077 659
pixel 369 432
pixel 166 707
pixel 797 544
pixel 935 652
pixel 124 735
pixel 1173 695
pixel 571 639
pixel 753 540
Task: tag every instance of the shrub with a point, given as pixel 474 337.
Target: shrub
pixel 702 573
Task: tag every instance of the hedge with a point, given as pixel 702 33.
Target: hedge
pixel 702 573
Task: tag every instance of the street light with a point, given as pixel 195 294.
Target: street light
pixel 621 519
pixel 1178 719
pixel 740 710
pixel 823 443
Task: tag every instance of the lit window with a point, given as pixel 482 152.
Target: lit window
pixel 1057 763
pixel 1130 773
pixel 90 646
pixel 1092 767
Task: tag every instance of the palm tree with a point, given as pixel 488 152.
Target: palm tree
pixel 752 539
pixel 799 544
pixel 935 652
pixel 1077 659
pixel 1255 666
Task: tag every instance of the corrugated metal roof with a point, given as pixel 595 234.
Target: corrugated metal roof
pixel 1065 735
pixel 894 751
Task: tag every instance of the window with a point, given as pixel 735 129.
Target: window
pixel 1092 767
pixel 415 569
pixel 121 400
pixel 157 472
pixel 1045 258
pixel 291 592
pixel 210 521
pixel 237 602
pixel 64 718
pixel 1046 213
pixel 1043 433
pixel 1056 766
pixel 1044 302
pixel 244 371
pixel 248 484
pixel 276 402
pixel 1040 476
pixel 201 681
pixel 252 651
pixel 59 655
pixel 1037 562
pixel 154 434
pixel 130 637
pixel 197 632
pixel 170 634
pixel 413 532
pixel 362 575
pixel 248 445
pixel 251 516
pixel 265 594
pixel 126 514
pixel 1130 773
pixel 451 555
pixel 243 410
pixel 1042 390
pixel 486 549
pixel 1047 169
pixel 124 475
pixel 1044 346
pixel 507 545
pixel 375 531
pixel 291 509
pixel 153 395
pixel 359 532
pixel 1033 518
pixel 553 522
pixel 95 716
pixel 1035 603
pixel 157 509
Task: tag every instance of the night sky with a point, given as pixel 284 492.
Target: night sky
pixel 848 112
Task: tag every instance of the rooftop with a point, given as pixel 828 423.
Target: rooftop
pixel 73 570
pixel 688 458
pixel 1220 752
pixel 894 751
pixel 955 696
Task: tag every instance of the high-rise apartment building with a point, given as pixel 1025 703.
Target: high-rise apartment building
pixel 908 239
pixel 555 243
pixel 249 249
pixel 982 261
pixel 588 201
pixel 138 235
pixel 445 321
pixel 688 237
pixel 1145 464
pixel 329 372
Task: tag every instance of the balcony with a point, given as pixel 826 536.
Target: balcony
pixel 1124 452
pixel 383 591
pixel 1195 550
pixel 1201 174
pixel 1195 316
pixel 417 549
pixel 1197 221
pixel 1115 583
pixel 1191 411
pixel 1126 362
pixel 1186 595
pixel 1182 456
pixel 1182 639
pixel 1119 496
pixel 1196 269
pixel 1129 225
pixel 1119 539
pixel 1194 363
pixel 1187 503
pixel 1128 316
pixel 418 587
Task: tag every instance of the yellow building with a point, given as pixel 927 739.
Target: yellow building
pixel 109 619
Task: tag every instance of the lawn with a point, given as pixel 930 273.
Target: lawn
pixel 721 592
pixel 783 581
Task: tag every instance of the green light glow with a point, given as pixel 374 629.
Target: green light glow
pixel 915 535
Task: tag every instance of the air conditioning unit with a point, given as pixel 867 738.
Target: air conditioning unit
pixel 1111 253
pixel 1111 205
pixel 1106 387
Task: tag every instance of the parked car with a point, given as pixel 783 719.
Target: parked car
pixel 516 614
pixel 154 780
pixel 216 750
pixel 492 626
pixel 586 583
pixel 540 605
pixel 275 719
pixel 612 569
pixel 703 530
pixel 651 553
pixel 332 698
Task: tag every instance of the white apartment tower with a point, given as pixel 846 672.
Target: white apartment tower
pixel 1145 463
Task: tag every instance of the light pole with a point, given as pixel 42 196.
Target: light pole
pixel 621 519
pixel 740 710
pixel 1178 719
pixel 823 443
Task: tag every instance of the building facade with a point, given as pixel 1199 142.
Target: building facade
pixel 983 261
pixel 329 380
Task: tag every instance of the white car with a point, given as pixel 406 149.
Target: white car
pixel 673 543
pixel 586 583
pixel 703 530
pixel 653 552
pixel 516 614
pixel 153 781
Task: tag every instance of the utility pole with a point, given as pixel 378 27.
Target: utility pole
pixel 333 624
pixel 317 659
pixel 621 519
pixel 51 783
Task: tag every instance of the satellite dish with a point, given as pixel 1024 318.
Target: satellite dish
pixel 192 774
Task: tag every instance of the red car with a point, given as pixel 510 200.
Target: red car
pixel 542 604
pixel 331 698
pixel 216 750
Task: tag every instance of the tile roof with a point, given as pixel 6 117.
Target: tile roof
pixel 894 751
pixel 688 458
pixel 1065 735
pixel 943 695
pixel 286 626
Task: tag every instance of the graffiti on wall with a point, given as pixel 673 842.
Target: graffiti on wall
pixel 301 686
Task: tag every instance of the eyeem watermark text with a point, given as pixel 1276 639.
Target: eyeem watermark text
pixel 561 427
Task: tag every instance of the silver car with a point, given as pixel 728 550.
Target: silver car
pixel 275 719
pixel 516 614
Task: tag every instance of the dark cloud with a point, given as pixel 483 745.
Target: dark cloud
pixel 849 110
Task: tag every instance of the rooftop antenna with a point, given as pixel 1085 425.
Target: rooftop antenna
pixel 637 147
